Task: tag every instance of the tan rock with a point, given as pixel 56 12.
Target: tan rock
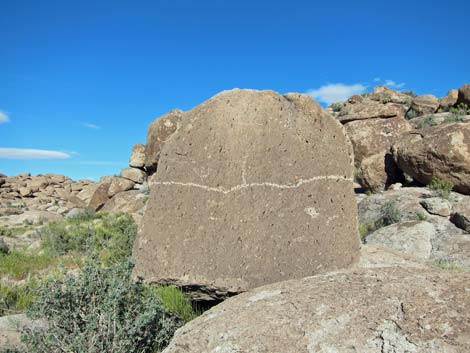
pixel 393 310
pixel 425 104
pixel 136 175
pixel 253 188
pixel 449 100
pixel 159 131
pixel 118 185
pixel 99 197
pixel 442 151
pixel 464 95
pixel 370 109
pixel 24 191
pixel 38 183
pixel 137 159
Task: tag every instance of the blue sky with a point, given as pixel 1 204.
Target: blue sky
pixel 83 79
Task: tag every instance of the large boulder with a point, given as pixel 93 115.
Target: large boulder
pixel 425 104
pixel 159 131
pixel 464 95
pixel 137 158
pixel 136 175
pixel 449 100
pixel 372 139
pixel 382 310
pixel 253 188
pixel 442 151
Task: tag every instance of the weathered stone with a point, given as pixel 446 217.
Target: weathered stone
pixel 411 238
pixel 2 181
pixel 38 183
pixel 253 188
pixel 437 206
pixel 118 185
pixel 425 104
pixel 87 192
pixel 382 310
pixel 371 110
pixel 132 202
pixel 137 159
pixel 24 191
pixel 449 100
pixel 442 151
pixel 461 216
pixel 99 197
pixel 385 95
pixel 3 247
pixel 136 175
pixel 372 139
pixel 464 95
pixel 159 131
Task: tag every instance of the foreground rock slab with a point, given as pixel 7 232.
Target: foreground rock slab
pixel 399 310
pixel 253 188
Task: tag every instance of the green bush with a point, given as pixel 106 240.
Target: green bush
pixel 101 310
pixel 390 214
pixel 365 230
pixel 336 107
pixel 109 235
pixel 427 122
pixel 411 114
pixel 176 302
pixel 16 298
pixel 441 187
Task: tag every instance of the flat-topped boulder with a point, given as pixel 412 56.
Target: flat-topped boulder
pixel 253 187
pixel 379 310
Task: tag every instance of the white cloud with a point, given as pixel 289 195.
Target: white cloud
pixel 377 79
pixel 26 153
pixel 335 92
pixel 4 118
pixel 91 126
pixel 393 84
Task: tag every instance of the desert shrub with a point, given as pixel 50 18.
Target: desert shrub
pixel 365 230
pixel 16 298
pixel 441 187
pixel 411 114
pixel 427 122
pixel 454 118
pixel 386 100
pixel 110 235
pixel 336 107
pixel 410 93
pixel 421 216
pixel 390 214
pixel 101 310
pixel 176 302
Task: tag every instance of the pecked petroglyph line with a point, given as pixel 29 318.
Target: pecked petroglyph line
pixel 223 190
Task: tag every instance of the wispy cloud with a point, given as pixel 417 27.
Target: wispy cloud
pixel 100 163
pixel 335 92
pixel 26 153
pixel 377 79
pixel 91 126
pixel 4 118
pixel 393 84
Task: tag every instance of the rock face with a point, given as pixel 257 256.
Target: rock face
pixel 425 104
pixel 442 151
pixel 464 95
pixel 159 131
pixel 393 310
pixel 137 158
pixel 373 122
pixel 252 188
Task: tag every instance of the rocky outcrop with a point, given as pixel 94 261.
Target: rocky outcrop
pixel 464 95
pixel 159 131
pixel 425 104
pixel 253 188
pixel 423 229
pixel 137 158
pixel 385 310
pixel 373 122
pixel 449 100
pixel 441 151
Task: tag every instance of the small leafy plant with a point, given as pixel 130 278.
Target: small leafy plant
pixel 390 214
pixel 441 187
pixel 427 122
